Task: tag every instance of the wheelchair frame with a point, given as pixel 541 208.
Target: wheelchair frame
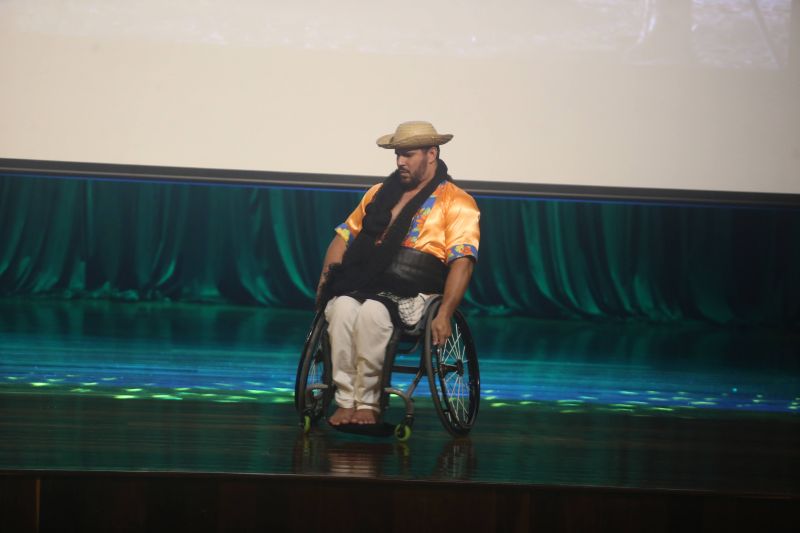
pixel 456 400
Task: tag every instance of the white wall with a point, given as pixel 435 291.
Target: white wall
pixel 692 94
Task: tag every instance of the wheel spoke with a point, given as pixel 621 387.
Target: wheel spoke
pixel 458 402
pixel 461 399
pixel 455 389
pixel 453 343
pixel 315 399
pixel 456 396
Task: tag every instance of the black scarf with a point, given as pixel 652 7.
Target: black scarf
pixel 364 261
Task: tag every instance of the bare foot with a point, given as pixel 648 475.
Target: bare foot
pixel 364 416
pixel 343 415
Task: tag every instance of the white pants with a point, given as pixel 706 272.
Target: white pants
pixel 359 333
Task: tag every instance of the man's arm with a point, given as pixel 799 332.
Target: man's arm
pixel 454 289
pixel 334 254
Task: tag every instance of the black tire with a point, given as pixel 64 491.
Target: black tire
pixel 314 367
pixel 453 375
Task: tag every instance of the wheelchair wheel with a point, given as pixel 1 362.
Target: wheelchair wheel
pixel 314 369
pixel 453 375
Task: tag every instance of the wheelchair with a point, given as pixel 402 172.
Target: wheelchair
pixel 452 371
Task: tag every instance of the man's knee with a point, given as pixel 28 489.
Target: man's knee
pixel 341 308
pixel 374 315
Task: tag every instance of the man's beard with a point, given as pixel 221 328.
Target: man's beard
pixel 410 180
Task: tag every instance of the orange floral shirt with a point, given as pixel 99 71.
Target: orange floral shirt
pixel 446 226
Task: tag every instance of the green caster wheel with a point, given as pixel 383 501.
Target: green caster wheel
pixel 402 432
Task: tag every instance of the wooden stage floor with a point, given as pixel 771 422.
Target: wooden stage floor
pixel 715 452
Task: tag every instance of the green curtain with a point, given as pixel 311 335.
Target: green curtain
pixel 662 263
pixel 84 238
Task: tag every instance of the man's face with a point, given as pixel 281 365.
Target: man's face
pixel 413 165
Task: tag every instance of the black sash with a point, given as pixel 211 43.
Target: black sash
pixel 413 272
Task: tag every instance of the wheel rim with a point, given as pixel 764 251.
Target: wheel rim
pixel 454 369
pixel 455 382
pixel 314 368
pixel 314 399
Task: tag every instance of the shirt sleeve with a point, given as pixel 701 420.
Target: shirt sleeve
pixel 349 229
pixel 463 232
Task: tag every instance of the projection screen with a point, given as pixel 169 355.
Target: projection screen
pixel 683 94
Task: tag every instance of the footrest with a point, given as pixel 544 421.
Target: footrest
pixel 371 430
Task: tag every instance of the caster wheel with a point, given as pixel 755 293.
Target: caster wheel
pixel 402 432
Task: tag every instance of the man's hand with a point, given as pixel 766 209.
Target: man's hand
pixel 440 329
pixel 454 289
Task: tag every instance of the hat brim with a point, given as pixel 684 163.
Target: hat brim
pixel 415 141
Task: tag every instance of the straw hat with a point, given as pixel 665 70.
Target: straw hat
pixel 415 134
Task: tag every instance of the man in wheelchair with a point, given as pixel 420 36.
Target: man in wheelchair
pixel 411 237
